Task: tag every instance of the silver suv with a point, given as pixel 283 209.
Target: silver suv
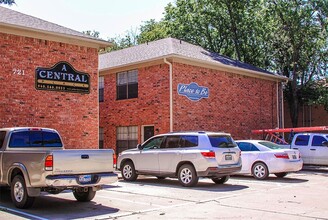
pixel 185 155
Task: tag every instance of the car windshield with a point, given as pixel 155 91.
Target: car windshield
pixel 270 145
pixel 221 141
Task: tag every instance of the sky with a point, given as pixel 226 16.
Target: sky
pixel 111 18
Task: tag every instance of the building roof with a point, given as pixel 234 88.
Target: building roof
pixel 174 48
pixel 13 19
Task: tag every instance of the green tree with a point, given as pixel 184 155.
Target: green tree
pixel 299 47
pixel 128 40
pixel 7 2
pixel 234 28
pixel 93 33
pixel 152 30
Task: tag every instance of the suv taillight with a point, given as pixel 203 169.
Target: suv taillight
pixel 48 163
pixel 209 154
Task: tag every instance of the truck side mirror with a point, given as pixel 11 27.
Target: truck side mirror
pixel 139 146
pixel 325 143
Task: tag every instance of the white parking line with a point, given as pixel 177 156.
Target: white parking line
pixel 23 214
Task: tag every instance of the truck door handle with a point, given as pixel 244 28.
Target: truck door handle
pixel 84 156
pixel 312 149
pixel 295 148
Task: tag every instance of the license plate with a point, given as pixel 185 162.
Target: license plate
pixel 294 157
pixel 228 157
pixel 85 178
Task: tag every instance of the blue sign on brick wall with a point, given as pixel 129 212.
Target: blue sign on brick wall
pixel 193 91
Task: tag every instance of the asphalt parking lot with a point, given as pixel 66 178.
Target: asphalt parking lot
pixel 301 195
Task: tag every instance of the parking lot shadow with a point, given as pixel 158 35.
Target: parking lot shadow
pixel 51 207
pixel 272 178
pixel 201 185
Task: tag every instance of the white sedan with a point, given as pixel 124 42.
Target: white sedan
pixel 261 158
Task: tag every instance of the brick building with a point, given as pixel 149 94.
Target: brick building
pixel 171 85
pixel 49 78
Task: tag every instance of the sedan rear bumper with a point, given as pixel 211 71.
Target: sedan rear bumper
pixel 286 166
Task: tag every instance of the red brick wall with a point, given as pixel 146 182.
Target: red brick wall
pixel 308 116
pixel 150 108
pixel 236 104
pixel 74 115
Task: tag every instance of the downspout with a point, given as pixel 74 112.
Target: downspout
pixel 171 94
pixel 278 106
pixel 282 106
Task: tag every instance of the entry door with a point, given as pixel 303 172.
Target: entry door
pixel 148 132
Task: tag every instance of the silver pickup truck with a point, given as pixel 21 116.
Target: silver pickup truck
pixel 33 160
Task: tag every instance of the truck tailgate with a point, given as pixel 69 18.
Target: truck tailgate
pixel 82 161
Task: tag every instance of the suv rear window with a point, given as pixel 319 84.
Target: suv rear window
pixel 35 139
pixel 221 141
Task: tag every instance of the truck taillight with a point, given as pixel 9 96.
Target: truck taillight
pixel 281 155
pixel 114 159
pixel 209 154
pixel 48 163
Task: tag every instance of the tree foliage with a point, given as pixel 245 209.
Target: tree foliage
pixel 7 2
pixel 152 30
pixel 229 27
pixel 128 40
pixel 299 48
pixel 93 33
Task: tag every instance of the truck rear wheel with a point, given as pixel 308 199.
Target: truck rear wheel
pixel 19 194
pixel 84 196
pixel 220 180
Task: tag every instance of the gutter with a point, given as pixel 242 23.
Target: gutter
pixel 197 62
pixel 171 94
pixel 46 35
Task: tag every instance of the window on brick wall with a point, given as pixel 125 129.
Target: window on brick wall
pixel 126 138
pixel 101 86
pixel 101 138
pixel 127 85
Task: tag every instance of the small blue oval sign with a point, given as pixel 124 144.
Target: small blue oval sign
pixel 193 91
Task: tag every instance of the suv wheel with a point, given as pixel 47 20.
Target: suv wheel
pixel 128 172
pixel 187 175
pixel 220 180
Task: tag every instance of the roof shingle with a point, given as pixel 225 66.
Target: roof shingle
pixel 165 48
pixel 14 18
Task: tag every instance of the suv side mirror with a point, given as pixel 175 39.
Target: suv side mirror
pixel 325 143
pixel 139 146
